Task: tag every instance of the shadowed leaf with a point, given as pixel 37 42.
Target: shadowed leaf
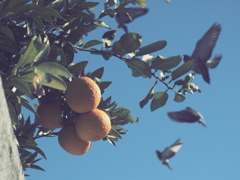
pixel 183 69
pixel 159 100
pixel 151 48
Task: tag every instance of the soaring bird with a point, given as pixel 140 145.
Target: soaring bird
pixel 203 52
pixel 189 116
pixel 127 17
pixel 168 153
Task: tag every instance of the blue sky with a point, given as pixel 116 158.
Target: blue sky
pixel 208 154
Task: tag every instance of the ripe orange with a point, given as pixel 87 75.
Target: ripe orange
pixel 70 142
pixel 93 126
pixel 83 95
pixel 50 115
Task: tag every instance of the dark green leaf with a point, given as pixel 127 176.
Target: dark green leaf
pixel 159 100
pixel 92 43
pixel 128 43
pixel 78 67
pixel 165 63
pixel 97 73
pixel 24 140
pixel 115 133
pixel 179 98
pixel 101 24
pixel 9 48
pixel 148 97
pixel 104 84
pixel 36 167
pixel 151 48
pixel 6 31
pixel 87 5
pixel 12 113
pixel 183 69
pixel 47 11
pixel 36 149
pixel 28 106
pixel 108 37
pixel 139 66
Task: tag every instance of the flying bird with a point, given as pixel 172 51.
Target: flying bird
pixel 127 17
pixel 168 153
pixel 189 116
pixel 203 52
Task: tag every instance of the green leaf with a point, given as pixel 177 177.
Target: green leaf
pixel 36 149
pixel 36 167
pixel 53 68
pixel 115 133
pixel 179 98
pixel 159 100
pixel 151 48
pixel 5 30
pixel 4 63
pixel 92 43
pixel 183 69
pixel 46 80
pixel 47 11
pixel 104 84
pixel 87 5
pixel 9 48
pixel 97 73
pixel 52 56
pixel 36 51
pixel 165 63
pixel 22 87
pixel 24 140
pixel 139 66
pixel 108 37
pixel 148 97
pixel 101 24
pixel 28 106
pixel 12 113
pixel 128 43
pixel 78 67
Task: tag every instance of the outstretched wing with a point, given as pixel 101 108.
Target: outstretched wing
pixel 214 62
pixel 172 150
pixel 206 44
pixel 128 16
pixel 183 116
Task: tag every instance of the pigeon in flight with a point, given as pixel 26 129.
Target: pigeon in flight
pixel 203 52
pixel 189 116
pixel 127 17
pixel 168 153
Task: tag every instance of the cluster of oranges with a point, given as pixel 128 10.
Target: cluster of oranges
pixel 83 96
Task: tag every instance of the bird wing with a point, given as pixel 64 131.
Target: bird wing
pixel 159 155
pixel 128 16
pixel 202 69
pixel 200 116
pixel 214 62
pixel 183 116
pixel 171 150
pixel 206 44
pixel 168 164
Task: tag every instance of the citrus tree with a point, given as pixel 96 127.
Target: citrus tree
pixel 39 39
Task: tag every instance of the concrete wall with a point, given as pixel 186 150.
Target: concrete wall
pixel 10 165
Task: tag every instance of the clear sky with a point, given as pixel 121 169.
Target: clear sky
pixel 209 154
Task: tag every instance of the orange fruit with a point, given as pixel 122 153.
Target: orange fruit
pixel 83 95
pixel 50 115
pixel 70 142
pixel 93 126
